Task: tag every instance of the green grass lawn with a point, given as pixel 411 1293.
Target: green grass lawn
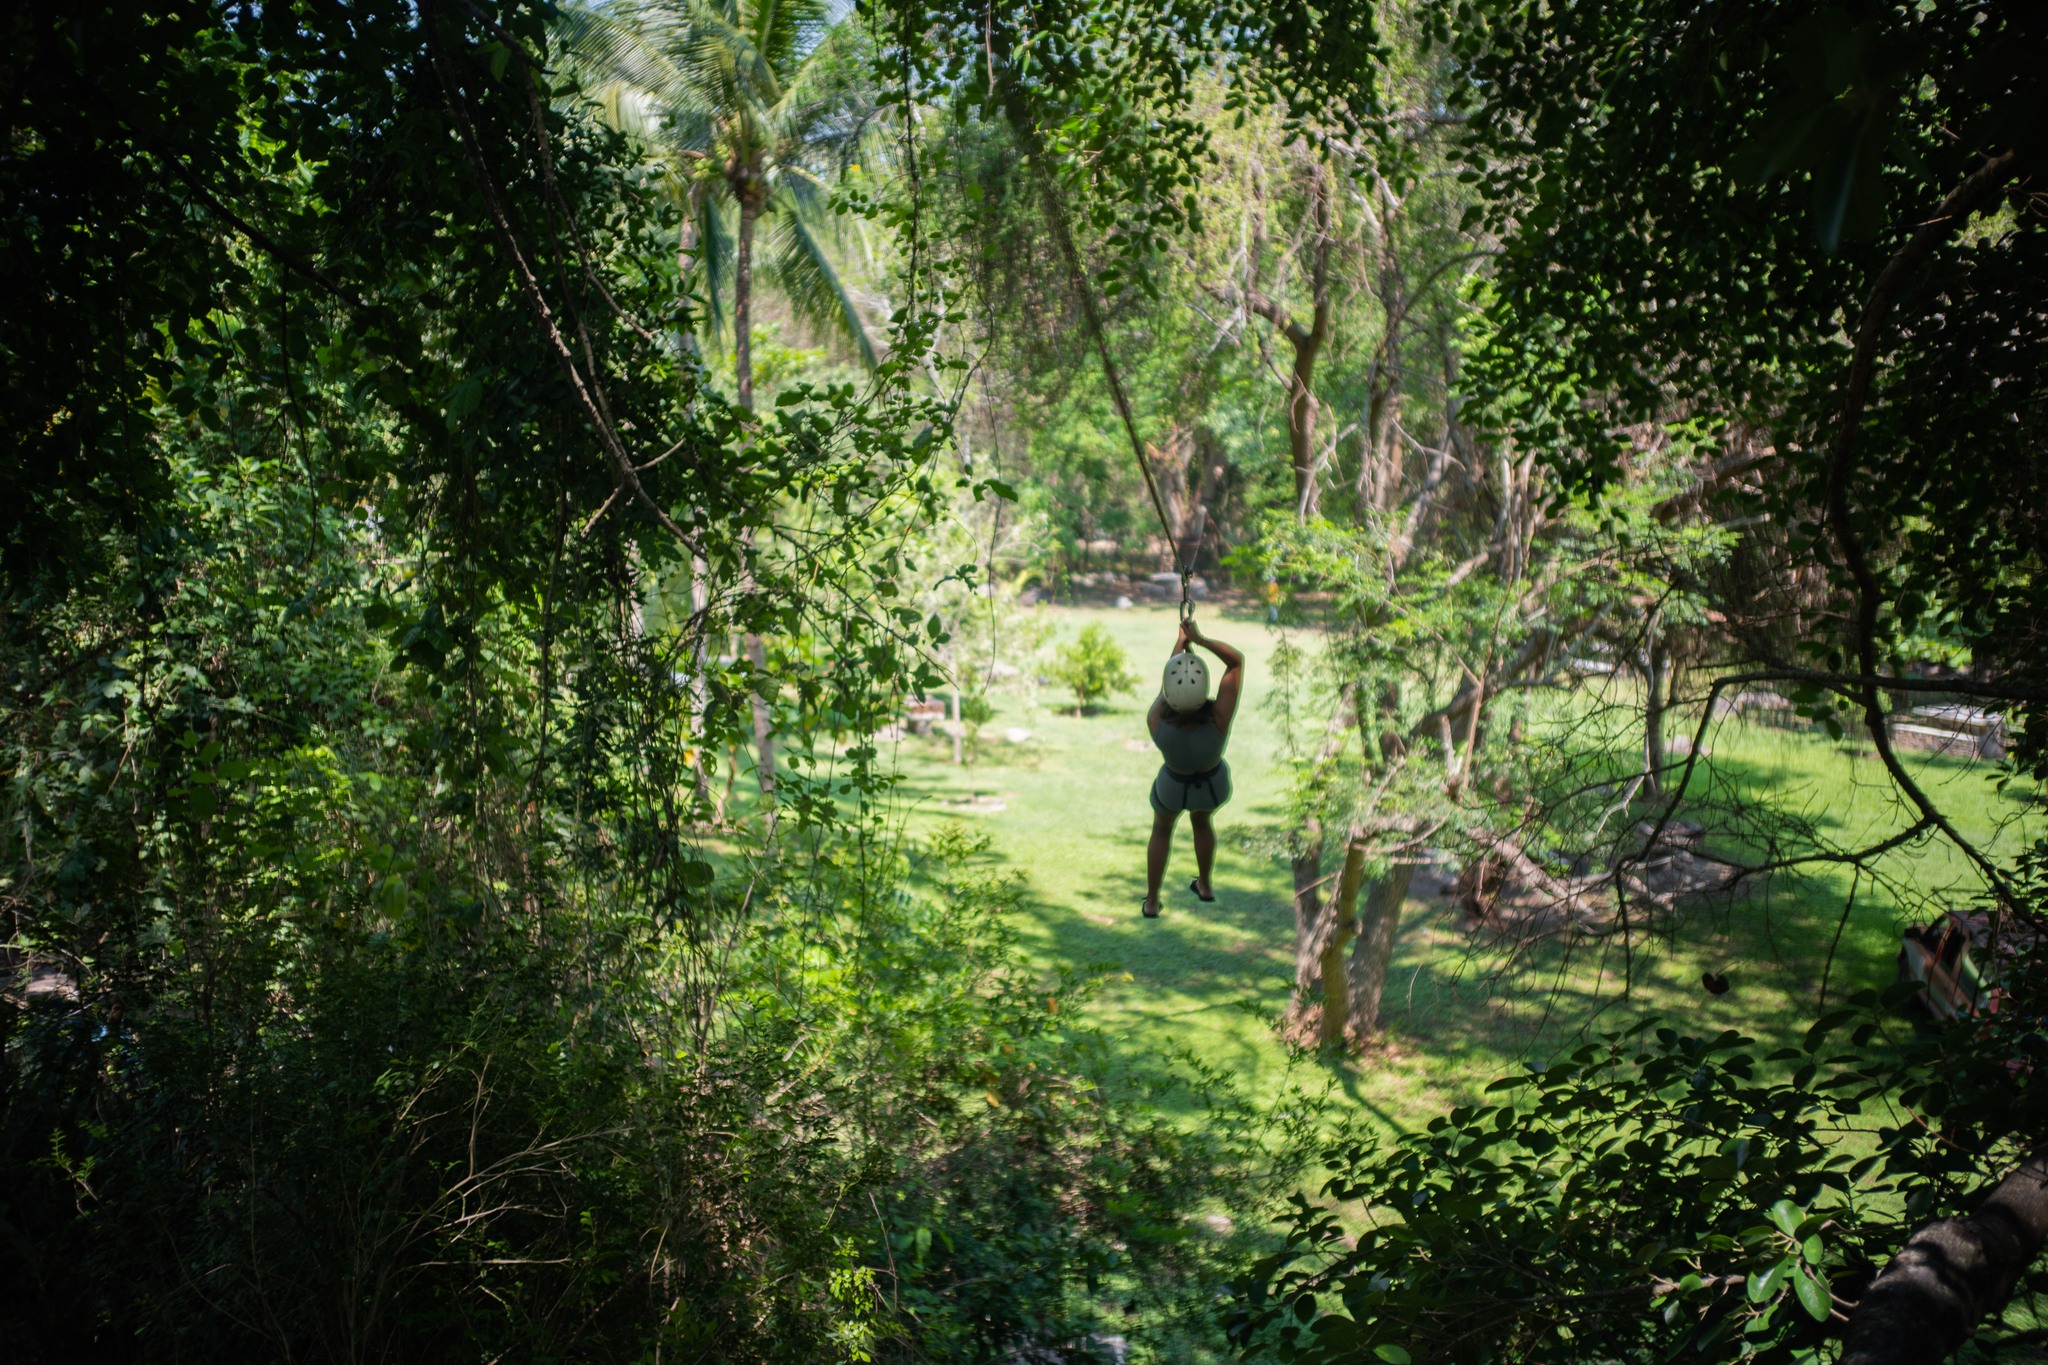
pixel 1068 808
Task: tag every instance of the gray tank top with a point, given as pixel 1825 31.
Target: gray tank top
pixel 1193 750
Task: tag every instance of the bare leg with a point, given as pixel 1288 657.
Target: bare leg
pixel 1155 856
pixel 1205 848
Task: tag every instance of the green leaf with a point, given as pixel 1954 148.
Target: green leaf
pixel 463 399
pixel 1825 1025
pixel 1785 1216
pixel 1813 1294
pixel 1393 1355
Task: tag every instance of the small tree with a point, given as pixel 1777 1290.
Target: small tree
pixel 1094 666
pixel 976 710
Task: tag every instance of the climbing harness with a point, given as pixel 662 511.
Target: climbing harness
pixel 1189 781
pixel 1093 318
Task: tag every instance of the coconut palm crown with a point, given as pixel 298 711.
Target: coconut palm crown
pixel 751 104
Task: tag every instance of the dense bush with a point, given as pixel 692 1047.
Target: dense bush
pixel 384 977
pixel 357 1058
pixel 1657 1197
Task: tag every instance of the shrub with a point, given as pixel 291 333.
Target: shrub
pixel 1654 1197
pixel 976 710
pixel 1094 666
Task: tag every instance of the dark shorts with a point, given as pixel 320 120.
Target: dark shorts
pixel 1173 793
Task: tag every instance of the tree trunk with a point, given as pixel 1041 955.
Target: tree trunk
pixel 1306 341
pixel 1308 345
pixel 700 663
pixel 764 729
pixel 1170 467
pixel 1337 995
pixel 1378 924
pixel 1208 478
pixel 1657 677
pixel 1308 909
pixel 743 298
pixel 686 261
pixel 743 382
pixel 1950 1274
pixel 1380 464
pixel 1313 913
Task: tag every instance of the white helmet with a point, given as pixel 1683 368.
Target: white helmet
pixel 1186 684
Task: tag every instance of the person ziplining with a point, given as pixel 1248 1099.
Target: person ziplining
pixel 1189 728
pixel 1191 731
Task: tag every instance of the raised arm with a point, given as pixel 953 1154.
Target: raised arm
pixel 1233 672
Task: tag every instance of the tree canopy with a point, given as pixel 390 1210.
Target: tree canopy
pixel 395 574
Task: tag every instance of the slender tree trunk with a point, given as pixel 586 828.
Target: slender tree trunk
pixel 764 724
pixel 1308 909
pixel 1656 702
pixel 700 574
pixel 953 719
pixel 1380 466
pixel 1310 905
pixel 1307 342
pixel 1311 933
pixel 1170 467
pixel 686 261
pixel 743 298
pixel 1308 346
pixel 1378 923
pixel 1337 995
pixel 743 381
pixel 700 688
pixel 1208 478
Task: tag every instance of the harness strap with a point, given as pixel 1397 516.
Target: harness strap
pixel 1189 781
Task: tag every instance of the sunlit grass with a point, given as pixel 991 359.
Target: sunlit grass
pixel 1212 978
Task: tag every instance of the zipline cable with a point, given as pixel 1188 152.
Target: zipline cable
pixel 1065 239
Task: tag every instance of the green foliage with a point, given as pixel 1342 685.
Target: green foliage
pixel 1696 206
pixel 1652 1195
pixel 1092 666
pixel 750 108
pixel 409 1004
pixel 1028 1178
pixel 348 801
pixel 1102 97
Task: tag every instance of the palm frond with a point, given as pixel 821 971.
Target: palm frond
pixel 625 49
pixel 807 279
pixel 712 272
pixel 714 85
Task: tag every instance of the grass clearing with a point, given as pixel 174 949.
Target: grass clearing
pixel 1067 807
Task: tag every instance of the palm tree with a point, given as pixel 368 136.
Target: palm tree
pixel 750 103
pixel 747 101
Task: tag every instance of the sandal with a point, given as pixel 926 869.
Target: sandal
pixel 1195 885
pixel 1149 909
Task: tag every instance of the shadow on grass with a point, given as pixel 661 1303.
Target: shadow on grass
pixel 1461 1008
